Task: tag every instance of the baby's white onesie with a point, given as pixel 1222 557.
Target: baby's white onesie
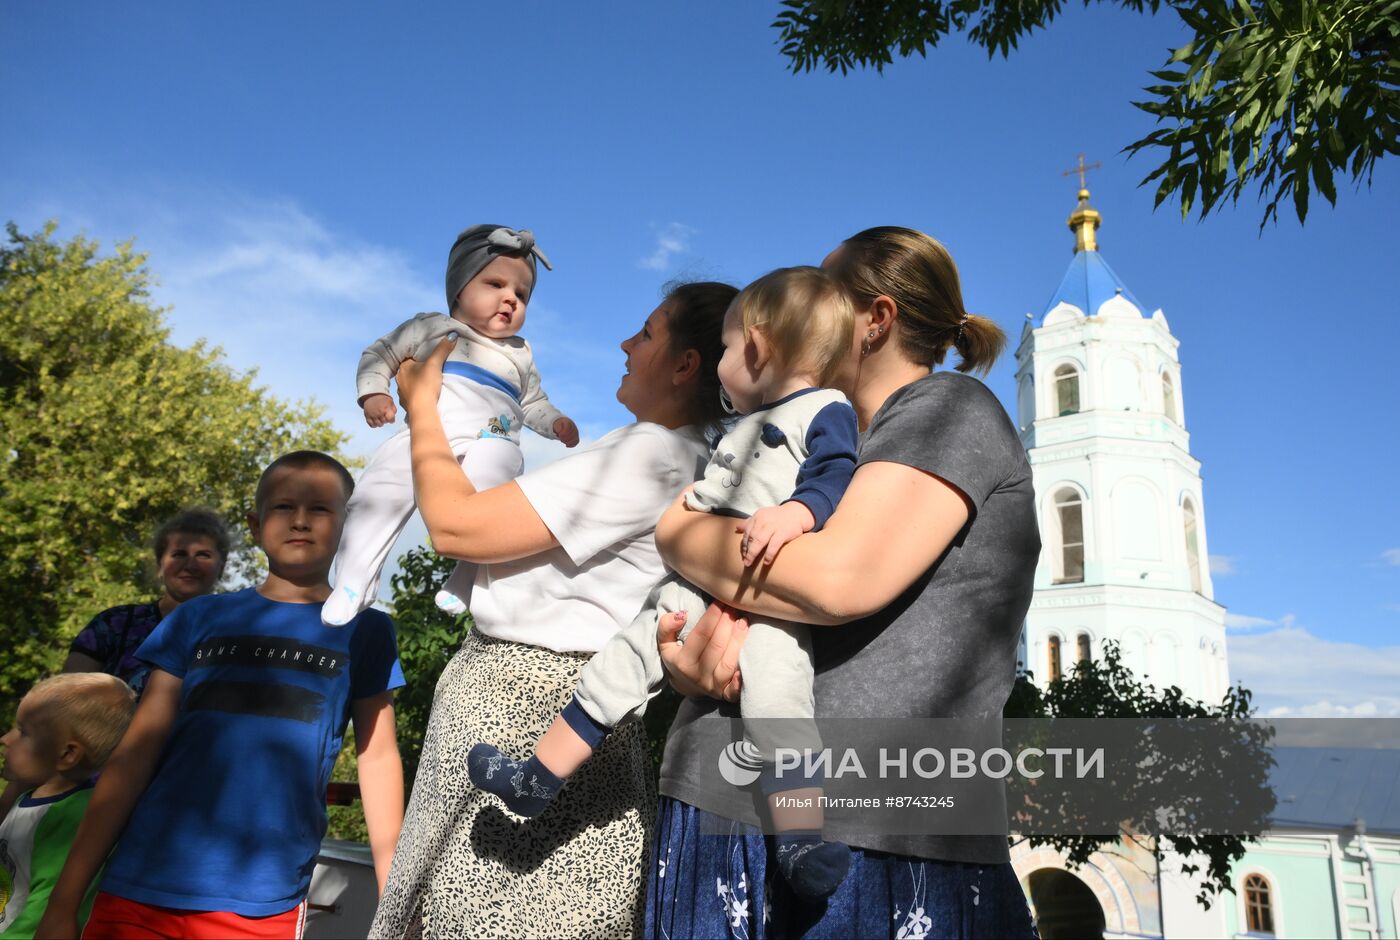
pixel 490 388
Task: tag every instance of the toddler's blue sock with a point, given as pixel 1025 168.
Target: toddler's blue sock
pixel 527 787
pixel 813 869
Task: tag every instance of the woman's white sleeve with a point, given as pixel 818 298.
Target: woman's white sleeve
pixel 614 490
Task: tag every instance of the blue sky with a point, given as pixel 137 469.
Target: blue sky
pixel 297 172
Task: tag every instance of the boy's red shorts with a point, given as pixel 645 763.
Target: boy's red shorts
pixel 115 918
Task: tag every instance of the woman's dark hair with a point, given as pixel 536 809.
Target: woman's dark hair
pixel 201 522
pixel 696 322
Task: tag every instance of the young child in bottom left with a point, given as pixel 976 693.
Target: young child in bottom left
pixel 65 729
pixel 215 798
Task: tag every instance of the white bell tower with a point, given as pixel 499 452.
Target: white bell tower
pixel 1117 491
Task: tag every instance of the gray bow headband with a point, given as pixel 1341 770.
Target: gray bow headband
pixel 479 245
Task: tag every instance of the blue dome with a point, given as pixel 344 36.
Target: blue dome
pixel 1088 283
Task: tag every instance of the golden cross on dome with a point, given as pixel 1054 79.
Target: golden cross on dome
pixel 1082 169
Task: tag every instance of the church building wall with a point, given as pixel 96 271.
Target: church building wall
pixel 1182 916
pixel 1387 852
pixel 1125 556
pixel 1299 872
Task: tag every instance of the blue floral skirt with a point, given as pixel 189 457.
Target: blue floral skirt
pixel 711 877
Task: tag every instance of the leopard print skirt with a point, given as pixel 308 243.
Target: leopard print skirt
pixel 465 866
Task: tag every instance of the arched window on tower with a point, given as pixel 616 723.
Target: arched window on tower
pixel 1084 654
pixel 1193 544
pixel 1054 664
pixel 1168 397
pixel 1066 390
pixel 1258 905
pixel 1069 513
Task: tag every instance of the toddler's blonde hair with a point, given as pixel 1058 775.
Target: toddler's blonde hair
pixel 804 314
pixel 91 708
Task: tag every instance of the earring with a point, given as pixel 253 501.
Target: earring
pixel 865 343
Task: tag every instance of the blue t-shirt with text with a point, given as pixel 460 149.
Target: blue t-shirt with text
pixel 234 816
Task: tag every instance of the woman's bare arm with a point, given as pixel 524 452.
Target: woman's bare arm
pixel 494 525
pixel 893 523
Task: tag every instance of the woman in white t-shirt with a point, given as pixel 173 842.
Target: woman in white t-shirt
pixel 566 559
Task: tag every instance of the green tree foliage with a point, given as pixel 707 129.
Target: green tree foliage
pixel 1175 770
pixel 1282 95
pixel 427 639
pixel 108 430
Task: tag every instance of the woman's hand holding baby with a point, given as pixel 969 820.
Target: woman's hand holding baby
pixel 379 410
pixel 421 382
pixel 772 527
pixel 566 431
pixel 706 663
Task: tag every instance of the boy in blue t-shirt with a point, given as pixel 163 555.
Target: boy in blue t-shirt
pixel 217 791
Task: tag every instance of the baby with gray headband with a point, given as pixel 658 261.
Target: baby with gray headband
pixel 490 388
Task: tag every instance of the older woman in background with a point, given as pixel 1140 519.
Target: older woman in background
pixel 191 550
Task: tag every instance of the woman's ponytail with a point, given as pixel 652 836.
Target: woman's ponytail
pixel 979 341
pixel 919 275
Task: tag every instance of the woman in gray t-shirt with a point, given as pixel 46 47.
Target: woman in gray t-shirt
pixel 922 578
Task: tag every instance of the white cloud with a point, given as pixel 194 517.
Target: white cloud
pixel 1247 622
pixel 1391 556
pixel 282 293
pixel 1294 673
pixel 672 239
pixel 1223 565
pixel 1325 709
